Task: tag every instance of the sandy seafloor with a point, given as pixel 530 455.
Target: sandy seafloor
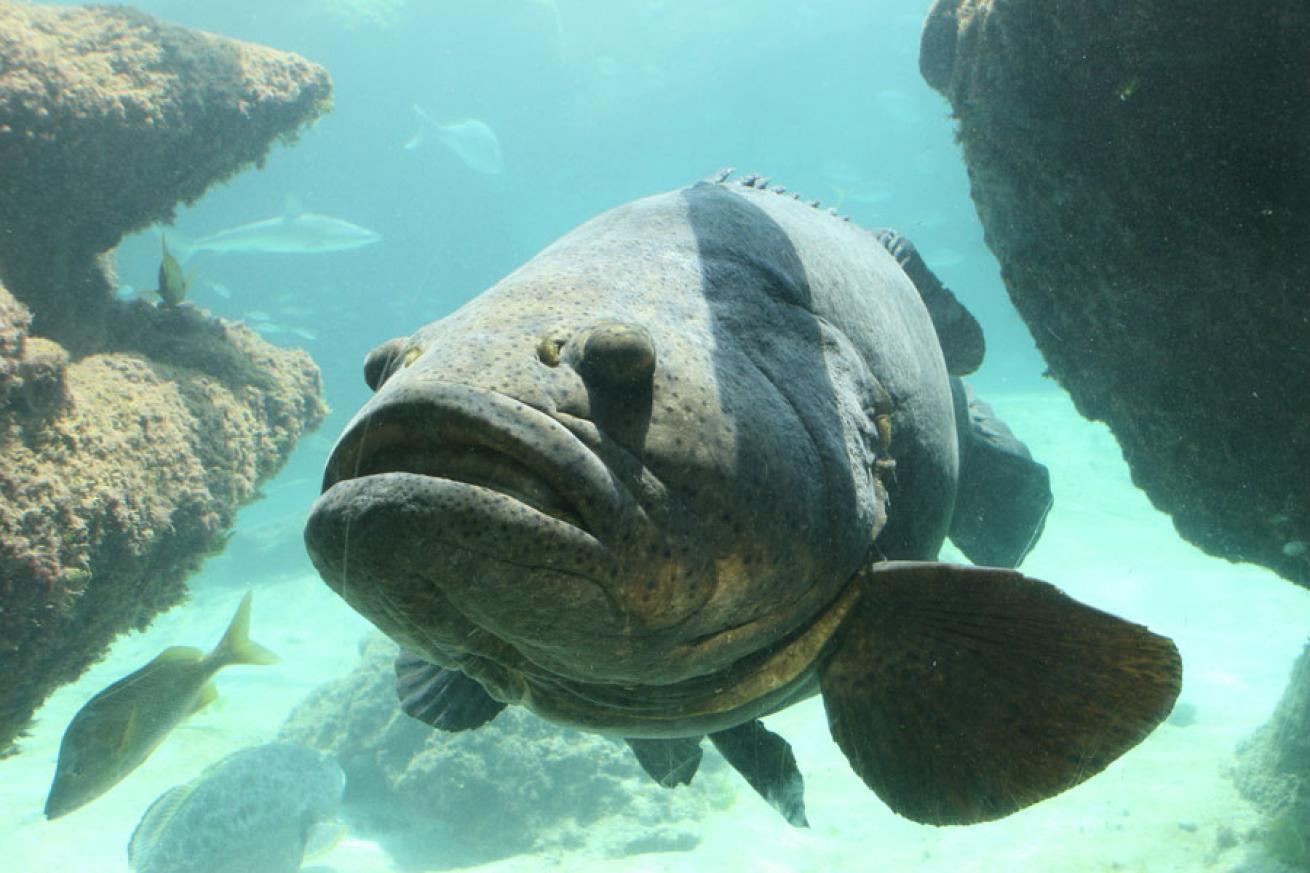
pixel 1160 808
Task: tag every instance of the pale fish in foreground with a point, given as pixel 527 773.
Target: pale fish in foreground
pixel 118 728
pixel 472 140
pixel 295 233
pixel 694 463
pixel 259 810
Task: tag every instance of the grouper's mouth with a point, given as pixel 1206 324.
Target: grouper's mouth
pixel 479 438
pixel 395 447
pixel 462 520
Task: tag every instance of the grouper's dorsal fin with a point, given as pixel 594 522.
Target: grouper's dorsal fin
pixel 762 183
pixel 670 762
pixel 961 694
pixel 445 699
pixel 959 333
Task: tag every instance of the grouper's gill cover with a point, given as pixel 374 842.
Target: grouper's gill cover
pixel 724 497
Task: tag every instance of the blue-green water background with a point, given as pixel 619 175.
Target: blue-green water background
pixel 594 103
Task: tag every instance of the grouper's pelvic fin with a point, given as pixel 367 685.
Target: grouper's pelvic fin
pixel 670 762
pixel 763 758
pixel 962 694
pixel 766 762
pixel 444 699
pixel 236 646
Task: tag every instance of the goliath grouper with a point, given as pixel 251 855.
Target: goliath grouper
pixel 693 463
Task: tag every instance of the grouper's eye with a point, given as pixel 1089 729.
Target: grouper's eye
pixel 549 348
pixel 386 359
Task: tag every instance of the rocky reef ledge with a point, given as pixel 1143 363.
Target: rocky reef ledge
pixel 110 118
pixel 1141 176
pixel 1273 772
pixel 129 433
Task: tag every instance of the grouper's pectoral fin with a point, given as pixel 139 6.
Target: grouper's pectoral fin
pixel 766 761
pixel 670 762
pixel 445 699
pixel 962 694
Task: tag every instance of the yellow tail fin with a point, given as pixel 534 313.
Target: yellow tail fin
pixel 237 647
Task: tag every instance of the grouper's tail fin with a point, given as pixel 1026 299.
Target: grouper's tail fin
pixel 962 694
pixel 236 646
pixel 1002 495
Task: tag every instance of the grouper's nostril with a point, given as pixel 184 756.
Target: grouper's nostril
pixel 615 354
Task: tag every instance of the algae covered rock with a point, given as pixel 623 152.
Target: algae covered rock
pixel 14 319
pixel 41 370
pixel 108 119
pixel 129 434
pixel 1141 176
pixel 518 784
pixel 119 472
pixel 1273 772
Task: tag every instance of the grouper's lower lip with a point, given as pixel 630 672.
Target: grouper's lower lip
pixel 375 521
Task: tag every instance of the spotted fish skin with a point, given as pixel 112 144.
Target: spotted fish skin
pixel 693 463
pixel 682 397
pixel 250 812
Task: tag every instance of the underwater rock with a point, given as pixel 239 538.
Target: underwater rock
pixel 518 784
pixel 1142 181
pixel 129 434
pixel 1273 771
pixel 112 495
pixel 42 373
pixel 108 119
pixel 14 319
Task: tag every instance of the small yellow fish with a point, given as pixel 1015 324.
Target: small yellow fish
pixel 118 728
pixel 173 283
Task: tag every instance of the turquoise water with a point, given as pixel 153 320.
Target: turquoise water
pixel 595 103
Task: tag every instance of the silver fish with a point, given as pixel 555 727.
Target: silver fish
pixel 294 233
pixel 472 140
